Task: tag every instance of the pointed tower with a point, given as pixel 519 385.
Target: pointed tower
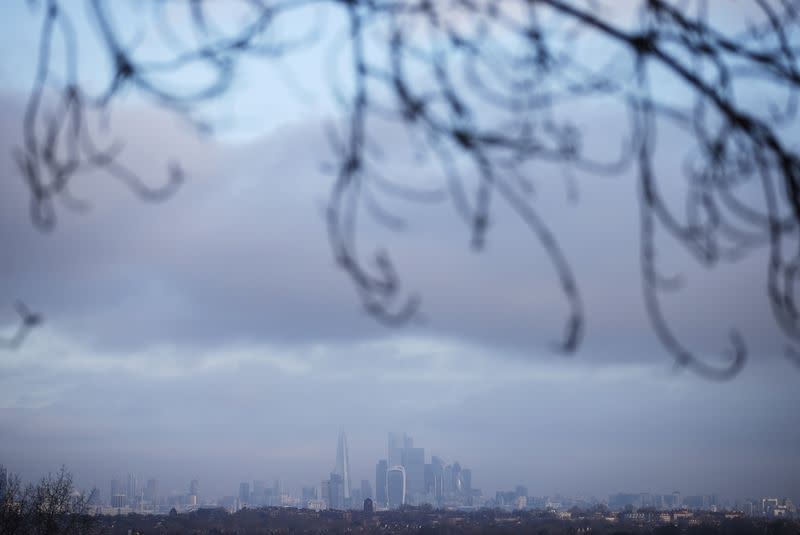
pixel 343 463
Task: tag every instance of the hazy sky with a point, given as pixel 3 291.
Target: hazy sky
pixel 212 336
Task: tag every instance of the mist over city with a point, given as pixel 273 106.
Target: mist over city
pixel 276 258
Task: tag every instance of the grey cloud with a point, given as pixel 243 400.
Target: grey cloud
pixel 571 428
pixel 212 337
pixel 241 254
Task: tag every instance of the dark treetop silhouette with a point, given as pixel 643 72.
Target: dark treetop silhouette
pixel 481 87
pixel 52 506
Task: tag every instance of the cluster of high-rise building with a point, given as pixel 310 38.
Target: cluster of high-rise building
pixel 769 508
pixel 403 478
pixel 673 500
pixel 260 494
pixel 406 477
pixel 764 507
pixel 132 494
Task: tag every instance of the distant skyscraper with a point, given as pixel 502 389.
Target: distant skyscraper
pixel 259 496
pixel 368 507
pixel 336 492
pixel 447 480
pixel 277 491
pixel 414 464
pixel 3 480
pixel 396 444
pixel 380 481
pixel 116 488
pixel 194 487
pixel 402 452
pixel 396 486
pixel 466 480
pixel 437 467
pixel 343 464
pixel 325 490
pixel 244 493
pixel 151 491
pixel 118 498
pixel 130 488
pixel 457 484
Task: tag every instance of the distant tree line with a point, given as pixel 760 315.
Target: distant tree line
pixel 423 520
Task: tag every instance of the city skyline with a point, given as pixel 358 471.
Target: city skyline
pixel 214 336
pixel 453 489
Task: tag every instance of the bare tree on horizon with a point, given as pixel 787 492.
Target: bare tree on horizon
pixel 52 506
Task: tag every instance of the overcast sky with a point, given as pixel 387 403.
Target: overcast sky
pixel 211 337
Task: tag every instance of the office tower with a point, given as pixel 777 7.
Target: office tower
pixel 380 481
pixel 368 507
pixel 521 490
pixel 394 449
pixel 397 442
pixel 259 495
pixel 466 482
pixel 414 464
pixel 130 488
pixel 194 487
pixel 366 489
pixel 343 463
pixel 457 484
pixel 151 491
pixel 325 490
pixel 402 452
pixel 244 493
pixel 447 480
pixel 768 505
pixel 336 492
pixel 437 468
pixel 693 502
pixel 396 486
pixel 276 492
pixel 309 493
pixel 428 478
pixel 620 501
pixel 117 494
pixel 3 480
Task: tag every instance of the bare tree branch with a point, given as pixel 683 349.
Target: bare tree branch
pixel 481 87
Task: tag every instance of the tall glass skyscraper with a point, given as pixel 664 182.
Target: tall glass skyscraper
pixel 151 491
pixel 401 452
pixel 396 486
pixel 396 444
pixel 131 488
pixel 414 464
pixel 380 481
pixel 244 493
pixel 343 464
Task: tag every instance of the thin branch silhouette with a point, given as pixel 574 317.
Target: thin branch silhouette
pixel 481 88
pixel 27 321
